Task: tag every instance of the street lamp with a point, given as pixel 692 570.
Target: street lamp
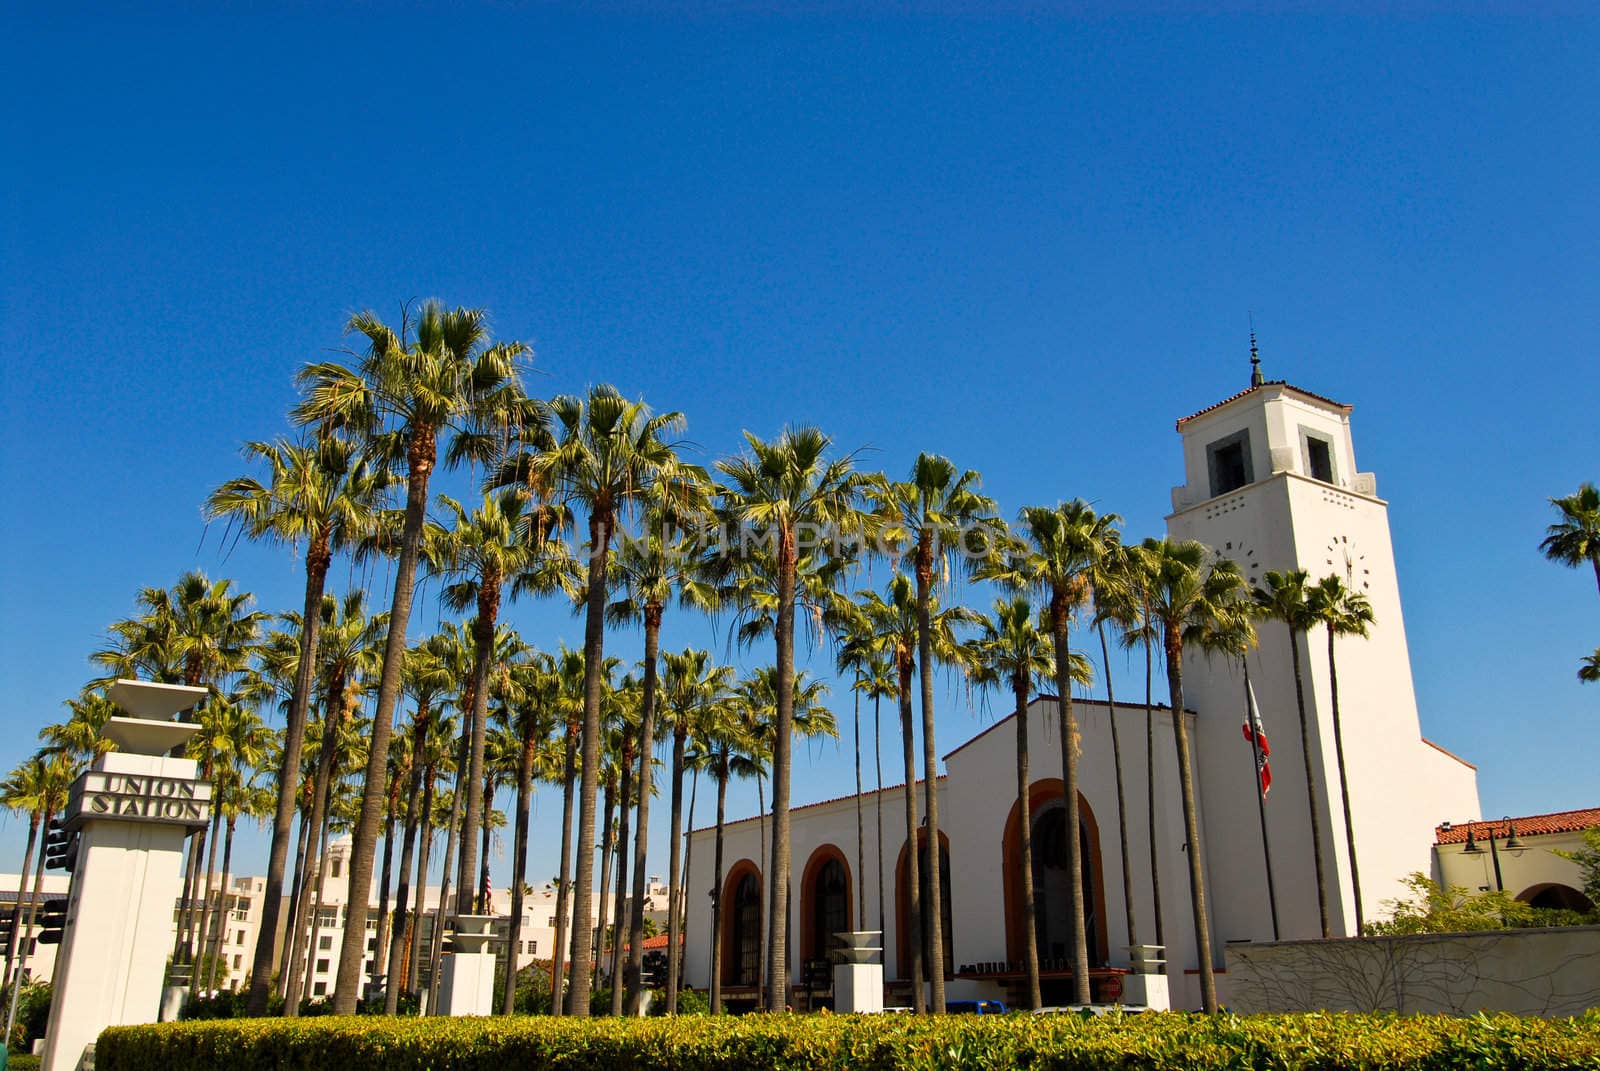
pixel 1512 845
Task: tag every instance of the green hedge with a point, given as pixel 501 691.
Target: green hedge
pixel 1169 1042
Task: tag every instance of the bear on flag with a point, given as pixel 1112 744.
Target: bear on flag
pixel 1257 737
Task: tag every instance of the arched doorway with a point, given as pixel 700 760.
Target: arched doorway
pixel 902 885
pixel 1048 813
pixel 741 926
pixel 825 904
pixel 1555 896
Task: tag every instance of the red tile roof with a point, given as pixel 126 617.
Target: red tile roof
pixel 1530 825
pixel 1251 390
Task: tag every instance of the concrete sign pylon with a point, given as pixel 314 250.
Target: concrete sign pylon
pixel 133 809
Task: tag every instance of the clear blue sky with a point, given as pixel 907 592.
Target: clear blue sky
pixel 1026 242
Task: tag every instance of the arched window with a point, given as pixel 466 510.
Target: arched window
pixel 903 906
pixel 747 932
pixel 1052 926
pixel 1554 895
pixel 826 901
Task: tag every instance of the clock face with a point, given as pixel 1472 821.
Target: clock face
pixel 1242 554
pixel 1345 557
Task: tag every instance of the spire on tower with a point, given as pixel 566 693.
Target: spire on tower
pixel 1256 378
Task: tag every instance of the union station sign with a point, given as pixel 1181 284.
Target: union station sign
pixel 140 798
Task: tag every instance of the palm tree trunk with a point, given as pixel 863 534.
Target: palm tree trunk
pixel 1191 824
pixel 716 894
pixel 596 923
pixel 934 916
pixel 563 882
pixel 386 874
pixel 33 908
pixel 293 924
pixel 22 883
pixel 1150 788
pixel 441 911
pixel 675 853
pixel 619 896
pixel 490 787
pixel 634 976
pixel 519 872
pixel 222 902
pixel 477 728
pixel 413 960
pixel 1344 784
pixel 777 959
pixel 1311 786
pixel 270 937
pixel 183 942
pixel 395 952
pixel 1122 798
pixel 321 791
pixel 913 864
pixel 877 758
pixel 1030 914
pixel 761 830
pixel 420 457
pixel 688 876
pixel 203 932
pixel 1079 951
pixel 594 642
pixel 861 824
pixel 304 990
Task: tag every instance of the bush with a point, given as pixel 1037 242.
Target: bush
pixel 1318 1042
pixel 23 1063
pixel 33 1016
pixel 690 1002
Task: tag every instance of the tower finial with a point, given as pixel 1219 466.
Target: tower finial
pixel 1256 378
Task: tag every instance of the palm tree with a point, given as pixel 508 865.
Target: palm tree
pixel 777 492
pixel 855 656
pixel 1575 538
pixel 1189 589
pixel 627 715
pixel 1284 599
pixel 323 494
pixel 1344 613
pixel 437 376
pixel 529 711
pixel 244 740
pixel 43 790
pixel 1056 557
pixel 82 736
pixel 347 653
pixel 571 672
pixel 438 760
pixel 26 790
pixel 1014 652
pixel 893 625
pixel 653 568
pixel 1111 586
pixel 925 513
pixel 1589 668
pixel 691 686
pixel 240 797
pixel 609 454
pixel 503 548
pixel 1140 630
pixel 730 746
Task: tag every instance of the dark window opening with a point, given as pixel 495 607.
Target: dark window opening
pixel 1319 459
pixel 1230 463
pixel 747 932
pixel 830 907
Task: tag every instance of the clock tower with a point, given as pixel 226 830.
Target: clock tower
pixel 1271 482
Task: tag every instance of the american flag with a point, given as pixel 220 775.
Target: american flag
pixel 1256 734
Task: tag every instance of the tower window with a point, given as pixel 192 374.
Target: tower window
pixel 1319 459
pixel 1229 462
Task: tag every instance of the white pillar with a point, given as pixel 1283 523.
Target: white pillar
pixel 132 810
pixel 858 972
pixel 466 974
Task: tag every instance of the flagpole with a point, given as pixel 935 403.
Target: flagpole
pixel 1261 799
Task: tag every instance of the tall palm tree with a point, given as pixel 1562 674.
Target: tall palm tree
pixel 925 515
pixel 1139 629
pixel 893 623
pixel 625 701
pixel 530 711
pixel 1015 652
pixel 691 686
pixel 25 790
pixel 45 791
pixel 571 673
pixel 1283 599
pixel 437 376
pixel 1575 538
pixel 730 746
pixel 1189 588
pixel 245 742
pixel 439 751
pixel 855 655
pixel 878 681
pixel 82 736
pixel 608 455
pixel 240 797
pixel 1056 557
pixel 502 549
pixel 1343 612
pixel 348 653
pixel 1111 587
pixel 653 568
pixel 323 494
pixel 778 492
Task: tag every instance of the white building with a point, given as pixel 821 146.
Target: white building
pixel 1270 481
pixel 1519 856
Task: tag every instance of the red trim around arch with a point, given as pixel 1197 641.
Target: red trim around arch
pixel 902 908
pixel 808 937
pixel 730 887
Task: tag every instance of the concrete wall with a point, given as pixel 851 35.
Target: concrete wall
pixel 1527 972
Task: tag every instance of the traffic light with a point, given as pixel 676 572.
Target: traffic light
pixel 60 848
pixel 8 925
pixel 52 922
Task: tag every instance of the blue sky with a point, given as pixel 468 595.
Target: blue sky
pixel 1026 242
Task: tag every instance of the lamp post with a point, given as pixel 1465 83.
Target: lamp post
pixel 1512 844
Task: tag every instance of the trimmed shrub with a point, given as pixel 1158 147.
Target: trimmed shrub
pixel 862 1043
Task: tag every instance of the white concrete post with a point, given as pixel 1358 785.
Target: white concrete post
pixel 132 810
pixel 466 975
pixel 858 972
